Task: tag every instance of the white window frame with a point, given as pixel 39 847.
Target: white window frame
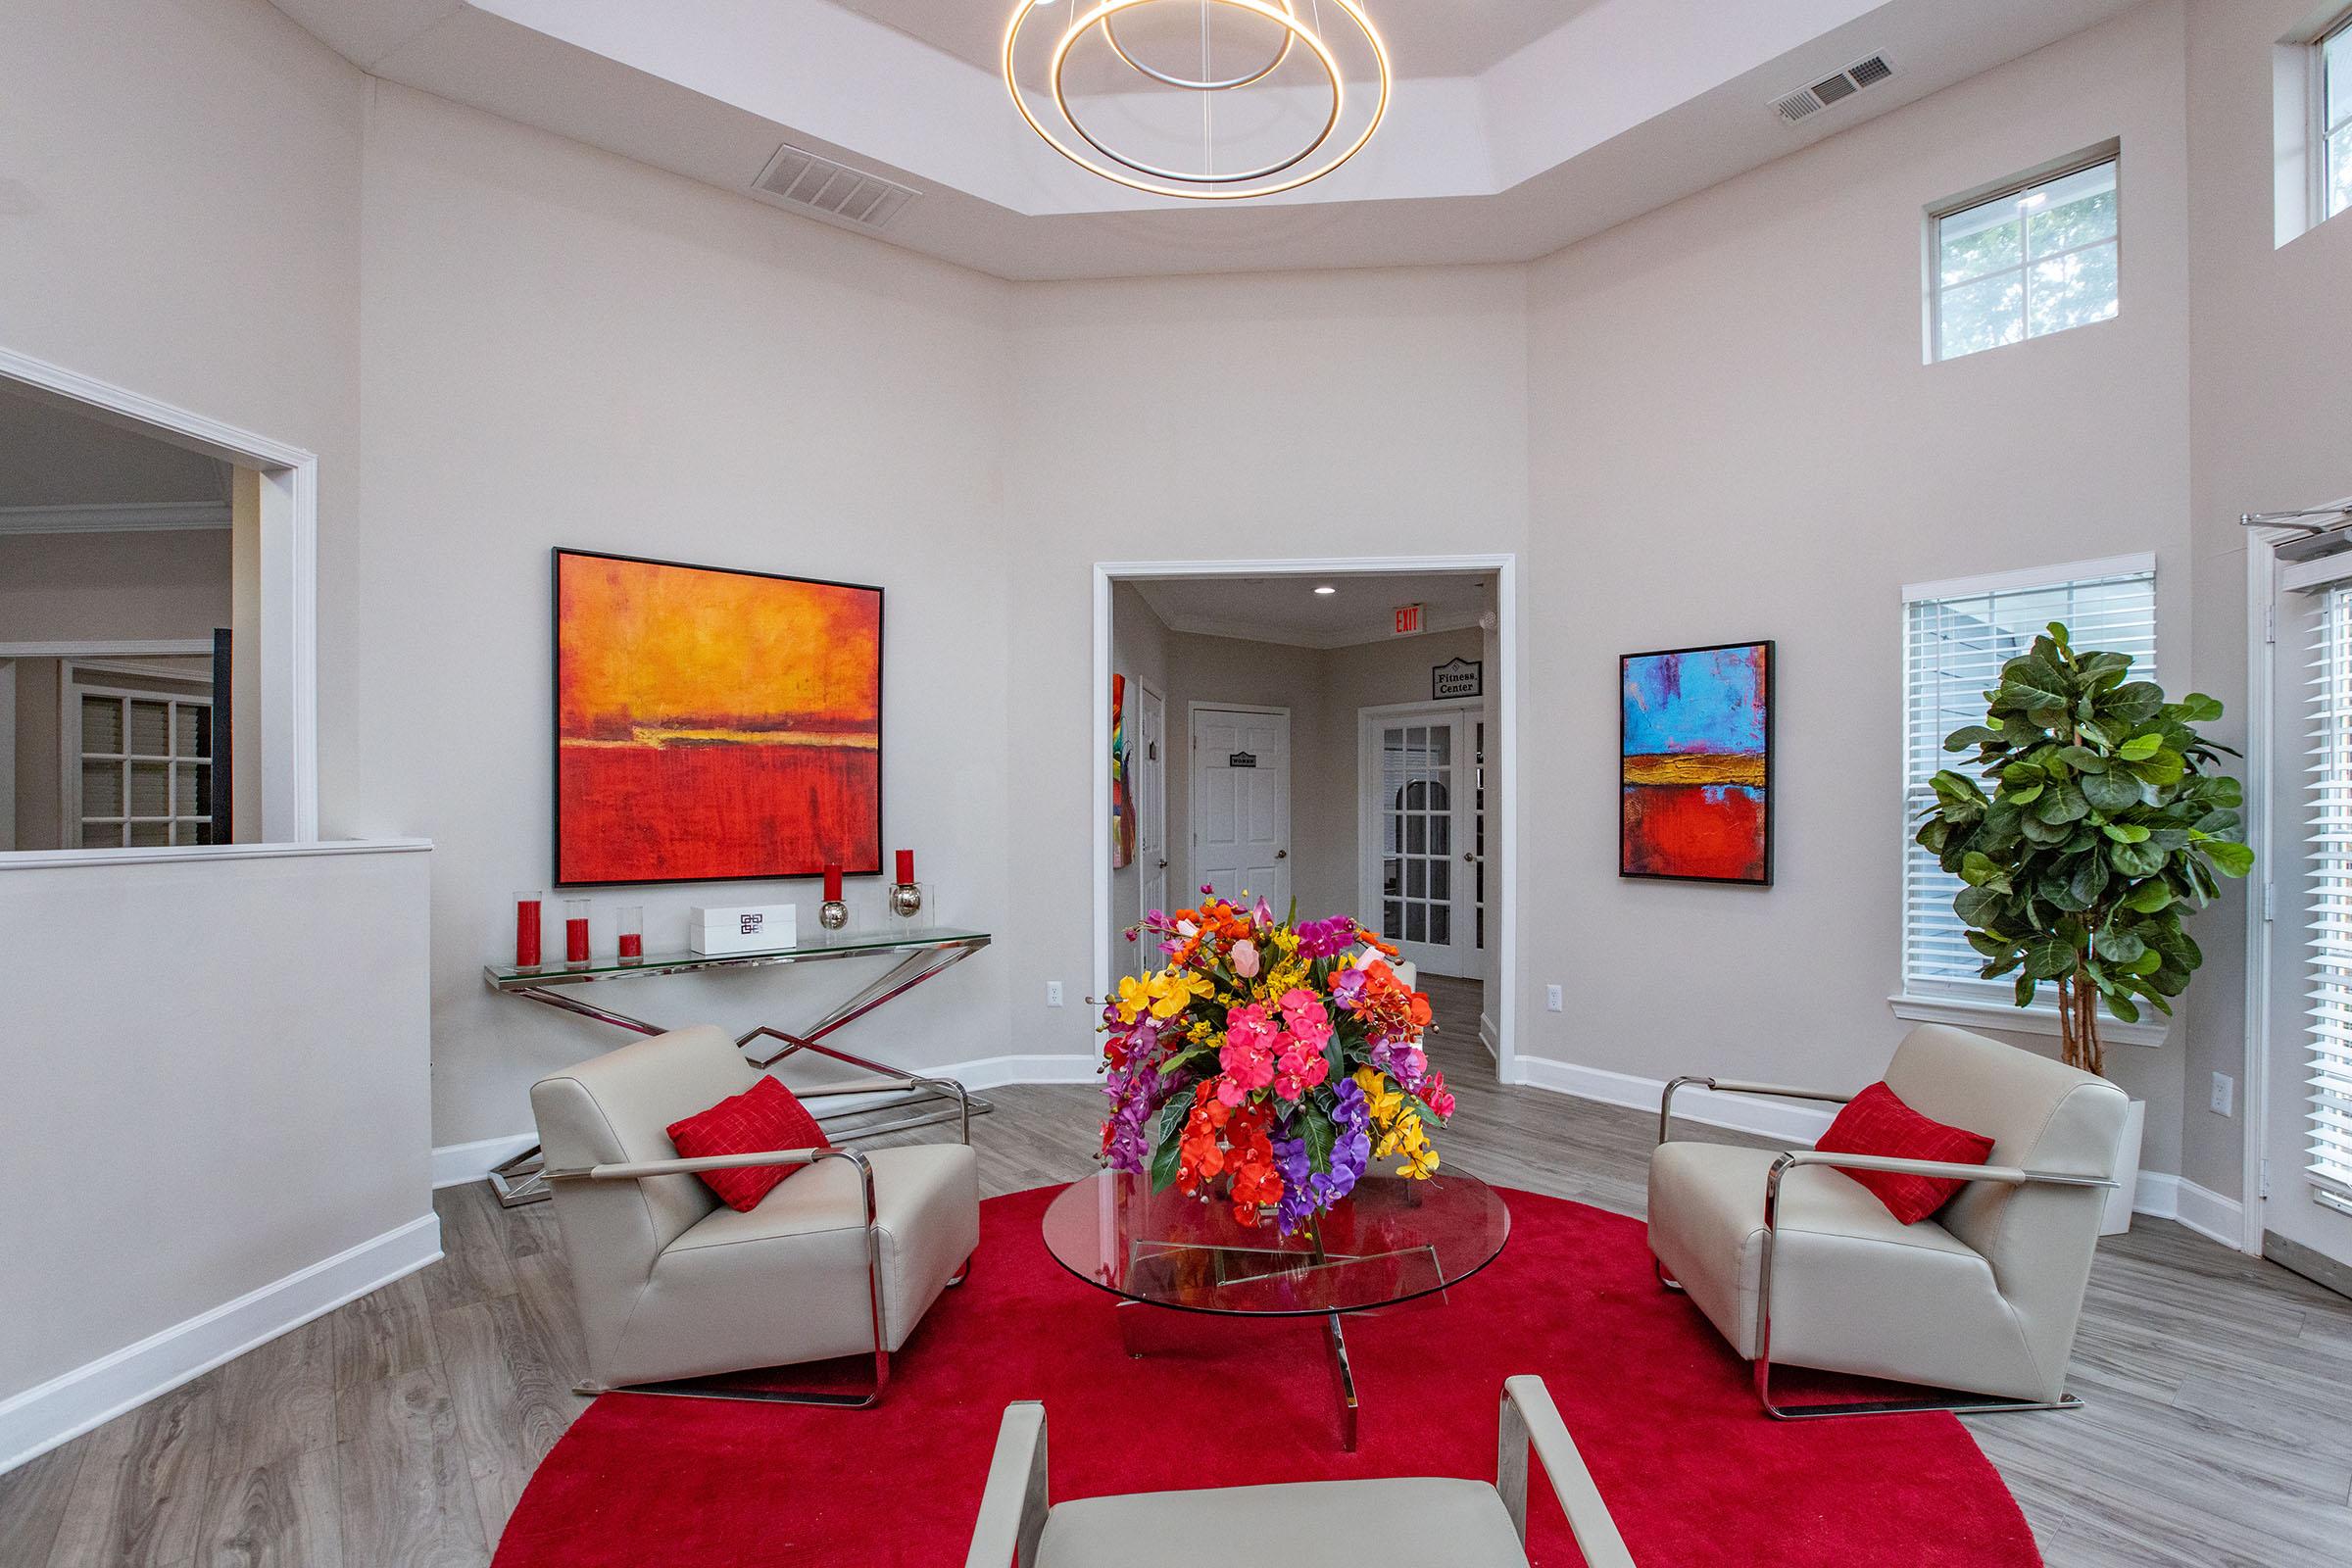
pixel 1988 1003
pixel 76 679
pixel 2090 157
pixel 2326 118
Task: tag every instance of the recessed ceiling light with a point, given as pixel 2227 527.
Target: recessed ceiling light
pixel 1327 589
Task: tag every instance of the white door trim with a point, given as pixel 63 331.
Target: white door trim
pixel 1160 802
pixel 1502 824
pixel 289 570
pixel 1368 854
pixel 1193 709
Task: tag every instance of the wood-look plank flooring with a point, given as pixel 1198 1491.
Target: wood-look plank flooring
pixel 401 1429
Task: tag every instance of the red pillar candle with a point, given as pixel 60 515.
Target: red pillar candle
pixel 575 930
pixel 632 945
pixel 832 884
pixel 906 866
pixel 527 930
pixel 630 923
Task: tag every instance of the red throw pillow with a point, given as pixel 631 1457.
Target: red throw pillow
pixel 1877 1122
pixel 768 1115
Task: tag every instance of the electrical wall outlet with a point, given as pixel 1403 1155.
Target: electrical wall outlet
pixel 2224 1094
pixel 1551 999
pixel 1053 993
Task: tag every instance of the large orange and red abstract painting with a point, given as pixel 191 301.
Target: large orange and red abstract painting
pixel 1694 744
pixel 714 724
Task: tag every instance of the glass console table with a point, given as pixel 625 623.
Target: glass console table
pixel 921 954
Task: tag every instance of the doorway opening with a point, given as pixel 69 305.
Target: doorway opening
pixel 1244 713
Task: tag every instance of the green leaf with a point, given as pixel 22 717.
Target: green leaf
pixel 2048 957
pixel 2228 857
pixel 2123 1007
pixel 2063 802
pixel 2120 947
pixel 2090 880
pixel 1316 1130
pixel 1980 908
pixel 2133 702
pixel 2041 832
pixel 1168 1142
pixel 1978 869
pixel 2025 990
pixel 1960 740
pixel 2125 832
pixel 2197 708
pixel 2147 898
pixel 2023 797
pixel 2136 859
pixel 2095 667
pixel 2166 768
pixel 2083 759
pixel 2140 747
pixel 2114 791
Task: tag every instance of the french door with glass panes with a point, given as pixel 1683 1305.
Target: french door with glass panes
pixel 1421 866
pixel 138 767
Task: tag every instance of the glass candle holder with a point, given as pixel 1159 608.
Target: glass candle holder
pixel 910 905
pixel 631 921
pixel 527 930
pixel 575 931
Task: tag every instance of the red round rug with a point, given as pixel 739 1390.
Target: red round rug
pixel 1695 1474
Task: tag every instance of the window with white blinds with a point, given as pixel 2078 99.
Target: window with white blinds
pixel 1957 637
pixel 2330 846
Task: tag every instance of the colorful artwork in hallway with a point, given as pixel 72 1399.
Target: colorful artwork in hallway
pixel 1122 782
pixel 714 724
pixel 1694 745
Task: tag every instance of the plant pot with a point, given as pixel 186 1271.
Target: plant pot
pixel 2118 1218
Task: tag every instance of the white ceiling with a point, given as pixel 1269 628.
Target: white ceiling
pixel 1288 610
pixel 1517 126
pixel 1425 37
pixel 52 457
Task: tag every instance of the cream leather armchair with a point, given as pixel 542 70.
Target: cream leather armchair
pixel 1794 1262
pixel 843 1259
pixel 1318 1524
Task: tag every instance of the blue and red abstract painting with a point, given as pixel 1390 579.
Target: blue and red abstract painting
pixel 1694 746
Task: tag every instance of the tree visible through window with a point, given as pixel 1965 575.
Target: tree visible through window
pixel 2036 260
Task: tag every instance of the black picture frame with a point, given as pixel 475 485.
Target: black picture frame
pixel 1771 665
pixel 554 718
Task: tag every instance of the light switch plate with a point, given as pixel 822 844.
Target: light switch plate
pixel 1053 993
pixel 2224 1095
pixel 1551 999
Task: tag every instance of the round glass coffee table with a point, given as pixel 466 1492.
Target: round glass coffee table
pixel 1389 1241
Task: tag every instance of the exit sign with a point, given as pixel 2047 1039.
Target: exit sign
pixel 1409 620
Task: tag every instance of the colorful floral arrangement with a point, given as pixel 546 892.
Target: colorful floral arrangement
pixel 1273 1057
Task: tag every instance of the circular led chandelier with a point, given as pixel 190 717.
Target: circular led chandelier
pixel 1300 124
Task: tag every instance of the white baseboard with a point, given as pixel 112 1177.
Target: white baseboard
pixel 1792 1121
pixel 1490 1035
pixel 33 1422
pixel 455 1164
pixel 2162 1195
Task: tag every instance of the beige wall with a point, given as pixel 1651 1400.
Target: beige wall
pixel 1735 437
pixel 565 348
pixel 2270 413
pixel 80 586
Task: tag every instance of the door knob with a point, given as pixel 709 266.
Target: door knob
pixel 1469 857
pixel 1163 865
pixel 1281 855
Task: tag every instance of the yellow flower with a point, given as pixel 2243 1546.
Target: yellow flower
pixel 1383 1101
pixel 1134 996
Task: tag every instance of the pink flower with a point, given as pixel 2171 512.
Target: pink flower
pixel 1303 1015
pixel 1437 1096
pixel 1245 960
pixel 1299 1067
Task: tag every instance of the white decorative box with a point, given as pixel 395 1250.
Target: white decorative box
pixel 743 928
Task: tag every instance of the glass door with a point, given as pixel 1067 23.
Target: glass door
pixel 1425 825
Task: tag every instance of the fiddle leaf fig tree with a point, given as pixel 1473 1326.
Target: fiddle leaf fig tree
pixel 2097 819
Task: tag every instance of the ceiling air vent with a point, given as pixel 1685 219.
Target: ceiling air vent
pixel 816 183
pixel 1846 84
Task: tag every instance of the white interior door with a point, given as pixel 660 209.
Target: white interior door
pixel 1150 765
pixel 1421 837
pixel 2306 1153
pixel 1241 801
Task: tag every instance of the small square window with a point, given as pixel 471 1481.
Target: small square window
pixel 2029 262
